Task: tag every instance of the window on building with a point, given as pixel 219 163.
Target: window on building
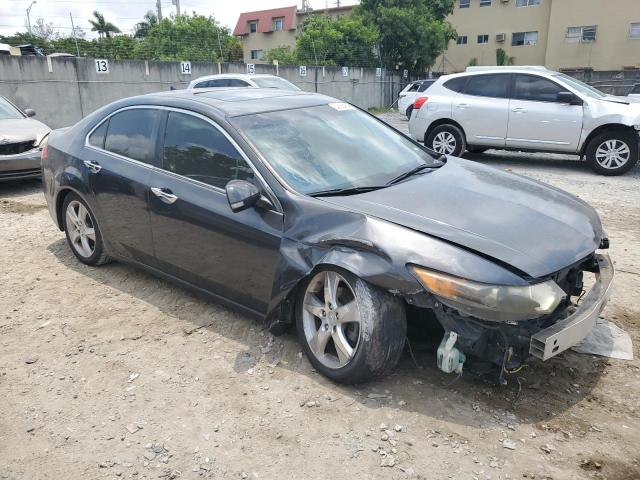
pixel 461 40
pixel 465 3
pixel 634 30
pixel 196 149
pixel 524 38
pixel 483 38
pixel 527 3
pixel 253 26
pixel 256 54
pixel 133 133
pixel 581 34
pixel 278 24
pixel 492 85
pixel 485 3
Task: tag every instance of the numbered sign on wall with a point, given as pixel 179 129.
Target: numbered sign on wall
pixel 303 70
pixel 102 65
pixel 185 68
pixel 378 72
pixel 405 74
pixel 345 71
pixel 251 68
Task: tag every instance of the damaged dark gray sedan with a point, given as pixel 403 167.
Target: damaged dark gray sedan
pixel 308 212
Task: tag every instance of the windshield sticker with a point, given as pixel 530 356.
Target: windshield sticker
pixel 341 106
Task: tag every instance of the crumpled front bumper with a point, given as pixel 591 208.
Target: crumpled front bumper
pixel 21 165
pixel 568 332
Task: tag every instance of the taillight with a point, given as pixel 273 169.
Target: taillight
pixel 419 102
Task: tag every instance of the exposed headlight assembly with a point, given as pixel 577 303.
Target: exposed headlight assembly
pixel 503 303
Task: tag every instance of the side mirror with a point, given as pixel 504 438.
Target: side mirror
pixel 242 195
pixel 568 97
pixel 29 112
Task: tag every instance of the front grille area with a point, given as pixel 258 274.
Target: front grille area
pixel 15 148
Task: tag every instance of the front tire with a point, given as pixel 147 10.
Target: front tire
pixel 446 139
pixel 351 331
pixel 82 231
pixel 613 153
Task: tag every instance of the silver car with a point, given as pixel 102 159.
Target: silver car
pixel 531 109
pixel 20 136
pixel 243 80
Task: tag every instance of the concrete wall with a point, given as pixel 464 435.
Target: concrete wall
pixel 63 90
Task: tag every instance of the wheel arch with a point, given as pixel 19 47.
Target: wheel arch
pixel 59 202
pixel 443 121
pixel 605 128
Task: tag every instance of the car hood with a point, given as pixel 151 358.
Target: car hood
pixel 533 227
pixel 22 130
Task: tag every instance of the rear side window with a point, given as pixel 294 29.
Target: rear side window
pixel 455 84
pixel 221 82
pixel 96 139
pixel 537 89
pixel 495 86
pixel 424 86
pixel 196 149
pixel 234 82
pixel 133 134
pixel 414 87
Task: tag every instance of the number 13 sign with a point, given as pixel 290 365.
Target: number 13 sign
pixel 102 66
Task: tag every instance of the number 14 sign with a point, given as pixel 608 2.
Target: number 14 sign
pixel 185 68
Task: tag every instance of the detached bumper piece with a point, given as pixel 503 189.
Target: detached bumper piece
pixel 568 332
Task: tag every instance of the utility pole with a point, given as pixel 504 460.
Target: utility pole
pixel 177 4
pixel 159 8
pixel 28 17
pixel 73 32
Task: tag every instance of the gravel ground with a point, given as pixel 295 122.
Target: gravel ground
pixel 111 373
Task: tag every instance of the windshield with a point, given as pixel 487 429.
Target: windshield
pixel 8 111
pixel 581 86
pixel 275 82
pixel 333 146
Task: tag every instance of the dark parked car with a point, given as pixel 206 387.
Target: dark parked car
pixel 20 136
pixel 307 211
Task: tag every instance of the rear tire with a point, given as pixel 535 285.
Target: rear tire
pixel 612 152
pixel 82 231
pixel 446 139
pixel 351 331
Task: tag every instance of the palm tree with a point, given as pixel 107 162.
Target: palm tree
pixel 101 26
pixel 502 59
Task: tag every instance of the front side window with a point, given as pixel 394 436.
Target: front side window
pixel 278 24
pixel 331 146
pixel 8 111
pixel 483 38
pixel 527 3
pixel 465 3
pixel 133 133
pixel 634 30
pixel 256 54
pixel 537 89
pixel 461 40
pixel 492 85
pixel 524 38
pixel 196 149
pixel 581 34
pixel 253 27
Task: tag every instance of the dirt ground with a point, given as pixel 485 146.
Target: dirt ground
pixel 111 373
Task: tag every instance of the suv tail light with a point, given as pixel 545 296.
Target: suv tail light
pixel 419 102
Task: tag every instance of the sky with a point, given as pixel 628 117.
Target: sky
pixel 126 13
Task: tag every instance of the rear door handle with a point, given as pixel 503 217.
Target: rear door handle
pixel 164 194
pixel 462 106
pixel 519 110
pixel 94 167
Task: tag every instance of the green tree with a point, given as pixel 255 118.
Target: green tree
pixel 473 62
pixel 101 26
pixel 141 29
pixel 412 32
pixel 345 40
pixel 502 59
pixel 284 54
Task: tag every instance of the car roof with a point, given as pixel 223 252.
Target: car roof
pixel 232 102
pixel 536 70
pixel 244 76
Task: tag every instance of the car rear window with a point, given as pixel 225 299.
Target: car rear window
pixel 455 84
pixel 495 86
pixel 196 149
pixel 133 134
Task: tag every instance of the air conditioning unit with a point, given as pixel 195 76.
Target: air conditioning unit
pixel 501 37
pixel 504 1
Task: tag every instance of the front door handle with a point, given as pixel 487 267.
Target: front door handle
pixel 519 110
pixel 94 167
pixel 164 194
pixel 462 106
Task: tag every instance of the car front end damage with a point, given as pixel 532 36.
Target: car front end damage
pixel 23 164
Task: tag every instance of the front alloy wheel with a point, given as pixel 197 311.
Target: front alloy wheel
pixel 613 152
pixel 350 330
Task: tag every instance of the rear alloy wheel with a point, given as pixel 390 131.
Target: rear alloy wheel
pixel 351 331
pixel 446 139
pixel 613 153
pixel 83 234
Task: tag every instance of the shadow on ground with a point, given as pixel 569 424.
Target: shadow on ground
pixel 538 393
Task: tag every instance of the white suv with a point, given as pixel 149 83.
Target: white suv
pixel 528 108
pixel 243 80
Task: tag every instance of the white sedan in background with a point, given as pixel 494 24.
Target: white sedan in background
pixel 410 93
pixel 243 80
